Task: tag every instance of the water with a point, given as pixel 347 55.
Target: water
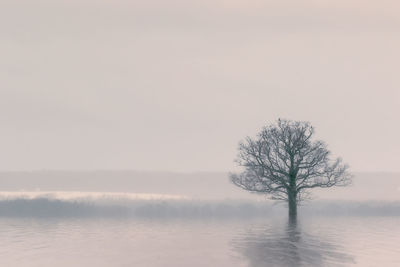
pixel 316 241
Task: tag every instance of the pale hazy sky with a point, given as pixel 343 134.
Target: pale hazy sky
pixel 174 85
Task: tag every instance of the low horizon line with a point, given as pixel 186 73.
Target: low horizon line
pixel 155 171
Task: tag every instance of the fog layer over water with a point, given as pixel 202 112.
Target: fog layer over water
pixel 199 185
pixel 197 195
pixel 48 206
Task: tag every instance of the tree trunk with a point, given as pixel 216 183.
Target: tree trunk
pixel 292 196
pixel 292 201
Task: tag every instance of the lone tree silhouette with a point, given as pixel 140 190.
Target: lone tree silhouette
pixel 284 162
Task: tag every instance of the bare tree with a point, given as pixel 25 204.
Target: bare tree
pixel 284 162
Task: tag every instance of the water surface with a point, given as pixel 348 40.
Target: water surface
pixel 317 241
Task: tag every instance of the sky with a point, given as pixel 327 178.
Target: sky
pixel 175 85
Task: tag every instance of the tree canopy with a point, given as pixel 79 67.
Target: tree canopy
pixel 284 162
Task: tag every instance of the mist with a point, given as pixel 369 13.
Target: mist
pixel 173 86
pixel 159 195
pixel 195 185
pixel 129 129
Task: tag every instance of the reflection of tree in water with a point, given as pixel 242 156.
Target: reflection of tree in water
pixel 288 246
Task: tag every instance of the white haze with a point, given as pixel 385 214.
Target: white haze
pixel 174 85
pixel 164 185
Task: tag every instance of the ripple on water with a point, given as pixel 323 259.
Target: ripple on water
pixel 319 241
